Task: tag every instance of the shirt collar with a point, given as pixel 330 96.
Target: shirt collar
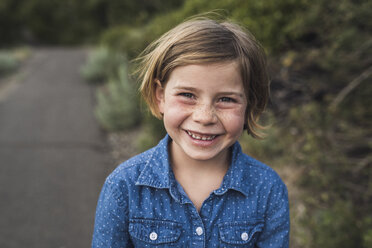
pixel 157 172
pixel 236 177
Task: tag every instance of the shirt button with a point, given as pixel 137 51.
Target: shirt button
pixel 199 231
pixel 244 236
pixel 153 236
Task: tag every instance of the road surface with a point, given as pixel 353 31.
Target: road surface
pixel 53 156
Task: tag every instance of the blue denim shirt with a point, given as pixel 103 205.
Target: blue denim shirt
pixel 142 205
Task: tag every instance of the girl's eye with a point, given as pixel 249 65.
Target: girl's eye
pixel 227 99
pixel 187 95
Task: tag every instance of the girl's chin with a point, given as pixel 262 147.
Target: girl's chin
pixel 199 154
pixel 201 157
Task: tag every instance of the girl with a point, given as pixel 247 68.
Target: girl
pixel 207 81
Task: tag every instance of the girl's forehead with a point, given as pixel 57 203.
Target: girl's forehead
pixel 223 75
pixel 207 70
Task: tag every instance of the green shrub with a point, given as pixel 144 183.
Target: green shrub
pixel 125 38
pixel 153 131
pixel 8 63
pixel 327 225
pixel 367 238
pixel 102 63
pixel 118 106
pixel 274 23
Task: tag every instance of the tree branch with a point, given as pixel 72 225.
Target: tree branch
pixel 353 84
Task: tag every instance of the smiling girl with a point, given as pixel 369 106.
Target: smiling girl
pixel 207 81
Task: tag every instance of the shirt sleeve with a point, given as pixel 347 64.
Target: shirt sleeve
pixel 111 221
pixel 276 231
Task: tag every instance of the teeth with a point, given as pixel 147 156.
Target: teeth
pixel 201 138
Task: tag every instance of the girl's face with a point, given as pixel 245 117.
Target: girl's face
pixel 204 110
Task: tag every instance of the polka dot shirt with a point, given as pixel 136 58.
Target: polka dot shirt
pixel 142 205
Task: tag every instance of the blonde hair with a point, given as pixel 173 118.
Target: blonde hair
pixel 202 41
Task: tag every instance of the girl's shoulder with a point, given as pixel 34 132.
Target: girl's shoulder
pixel 130 169
pixel 255 171
pixel 150 164
pixel 252 165
pixel 256 165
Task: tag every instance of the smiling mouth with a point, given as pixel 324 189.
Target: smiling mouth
pixel 201 136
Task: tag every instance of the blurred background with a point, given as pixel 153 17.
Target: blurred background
pixel 319 135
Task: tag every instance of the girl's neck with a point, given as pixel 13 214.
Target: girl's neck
pixel 198 178
pixel 192 167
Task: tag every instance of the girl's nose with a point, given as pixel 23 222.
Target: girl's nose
pixel 204 114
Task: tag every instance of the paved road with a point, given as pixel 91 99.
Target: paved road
pixel 53 159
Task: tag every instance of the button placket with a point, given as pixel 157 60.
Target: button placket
pixel 198 237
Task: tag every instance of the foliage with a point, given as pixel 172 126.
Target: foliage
pixel 117 106
pixel 124 38
pixel 152 131
pixel 102 63
pixel 44 21
pixel 272 22
pixel 334 155
pixel 8 62
pixel 136 12
pixel 72 21
pixel 9 22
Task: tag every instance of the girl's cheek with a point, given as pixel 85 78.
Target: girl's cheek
pixel 235 118
pixel 178 109
pixel 180 104
pixel 234 113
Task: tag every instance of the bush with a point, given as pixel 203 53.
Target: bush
pixel 274 23
pixel 8 63
pixel 118 106
pixel 153 131
pixel 102 64
pixel 328 223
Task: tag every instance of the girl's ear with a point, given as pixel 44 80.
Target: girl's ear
pixel 159 95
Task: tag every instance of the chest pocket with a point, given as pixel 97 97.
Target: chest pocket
pixel 240 233
pixel 155 232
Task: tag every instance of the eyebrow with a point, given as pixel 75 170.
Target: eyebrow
pixel 239 94
pixel 185 88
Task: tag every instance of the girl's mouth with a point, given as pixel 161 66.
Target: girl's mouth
pixel 198 136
